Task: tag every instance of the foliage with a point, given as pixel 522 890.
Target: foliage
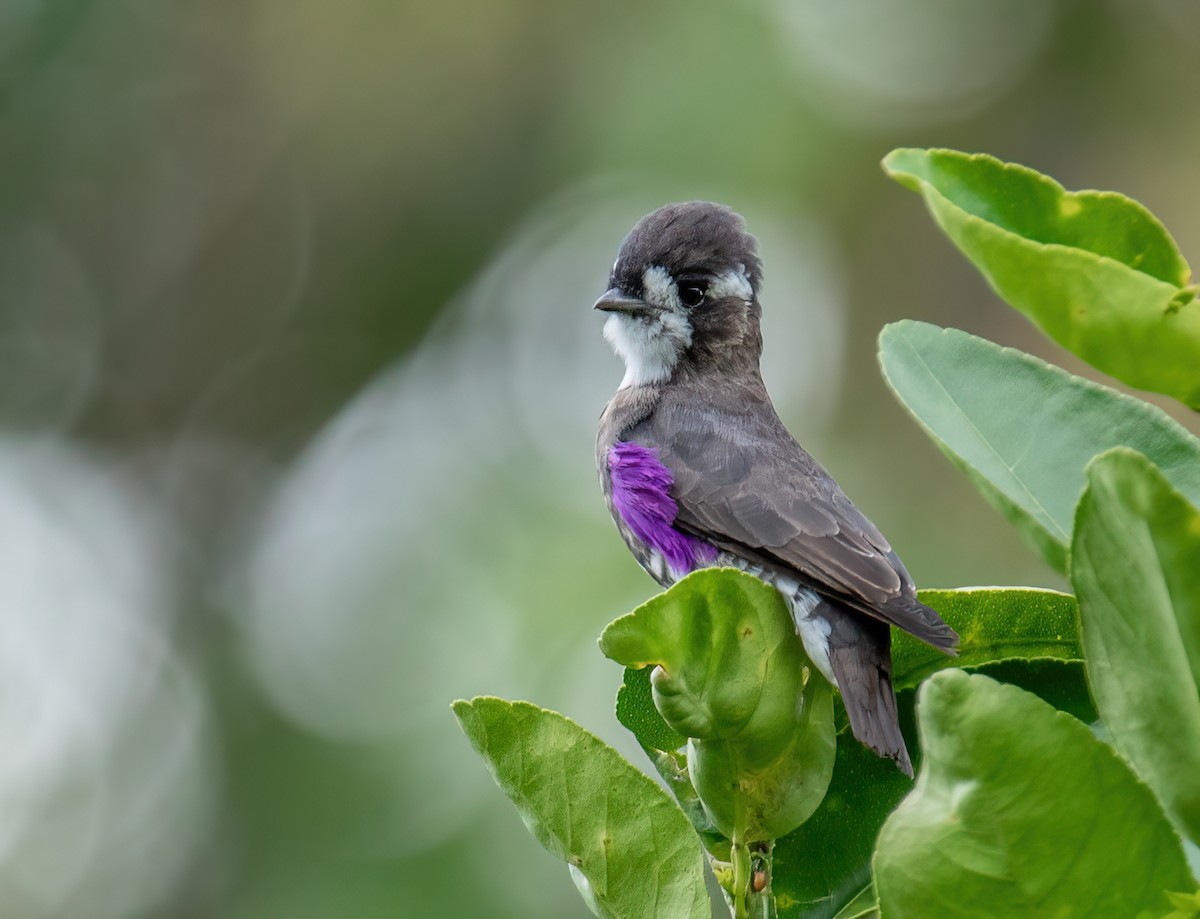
pixel 731 675
pixel 1095 270
pixel 989 830
pixel 1135 567
pixel 1023 431
pixel 629 845
pixel 1018 808
pixel 1029 633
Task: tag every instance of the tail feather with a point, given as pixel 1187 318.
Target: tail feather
pixel 861 660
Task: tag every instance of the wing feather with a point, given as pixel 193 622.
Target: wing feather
pixel 751 489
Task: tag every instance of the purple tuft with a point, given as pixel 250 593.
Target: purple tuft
pixel 641 491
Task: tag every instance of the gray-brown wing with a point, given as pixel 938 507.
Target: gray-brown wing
pixel 751 489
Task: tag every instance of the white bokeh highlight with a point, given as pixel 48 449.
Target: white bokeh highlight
pixel 882 63
pixel 106 777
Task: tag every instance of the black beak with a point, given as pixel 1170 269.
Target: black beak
pixel 613 301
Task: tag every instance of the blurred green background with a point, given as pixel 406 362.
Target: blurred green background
pixel 299 378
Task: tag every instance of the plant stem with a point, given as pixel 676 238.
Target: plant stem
pixel 741 879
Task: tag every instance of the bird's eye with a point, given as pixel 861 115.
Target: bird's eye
pixel 692 292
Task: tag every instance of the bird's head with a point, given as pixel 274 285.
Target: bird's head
pixel 683 294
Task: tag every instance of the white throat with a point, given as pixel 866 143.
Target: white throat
pixel 650 346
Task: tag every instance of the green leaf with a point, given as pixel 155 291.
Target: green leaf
pixel 1022 635
pixel 1135 563
pixel 1019 811
pixel 863 906
pixel 822 865
pixel 636 711
pixel 1022 430
pixel 716 622
pixel 732 676
pixel 1095 271
pixel 1187 905
pixel 635 850
pixel 993 624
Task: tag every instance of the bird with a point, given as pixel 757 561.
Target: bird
pixel 698 470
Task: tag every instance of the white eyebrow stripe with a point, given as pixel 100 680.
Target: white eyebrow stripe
pixel 732 283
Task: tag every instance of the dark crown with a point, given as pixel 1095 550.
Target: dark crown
pixel 691 236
